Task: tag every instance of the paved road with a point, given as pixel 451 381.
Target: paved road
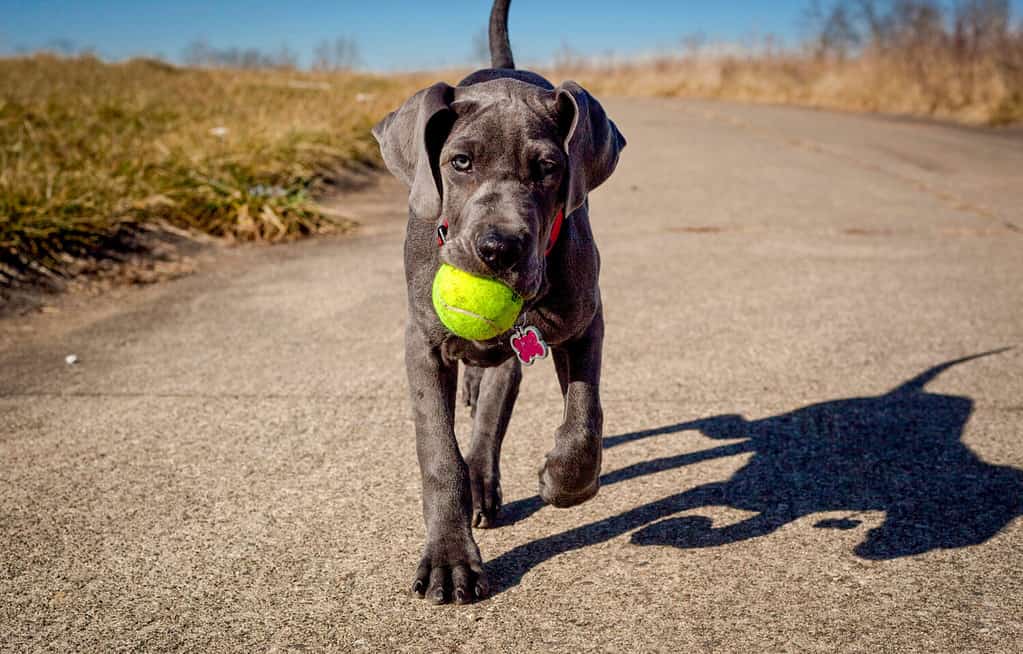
pixel 794 462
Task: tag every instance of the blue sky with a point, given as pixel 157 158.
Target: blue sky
pixel 392 35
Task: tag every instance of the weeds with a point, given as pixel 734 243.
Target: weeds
pixel 975 93
pixel 90 151
pixel 91 154
pixel 962 62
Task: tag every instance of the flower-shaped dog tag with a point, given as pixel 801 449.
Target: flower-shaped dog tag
pixel 528 345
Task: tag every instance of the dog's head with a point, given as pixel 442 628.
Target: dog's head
pixel 496 161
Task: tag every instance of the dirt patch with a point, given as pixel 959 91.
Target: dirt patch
pixel 868 231
pixel 697 229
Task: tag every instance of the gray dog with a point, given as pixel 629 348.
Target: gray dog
pixel 498 170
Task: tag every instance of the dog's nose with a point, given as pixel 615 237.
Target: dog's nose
pixel 499 251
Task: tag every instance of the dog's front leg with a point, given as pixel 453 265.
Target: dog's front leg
pixel 495 397
pixel 571 473
pixel 450 567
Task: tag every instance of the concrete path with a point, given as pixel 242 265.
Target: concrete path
pixel 795 459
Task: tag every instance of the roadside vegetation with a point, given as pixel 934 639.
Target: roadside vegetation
pixel 962 62
pixel 93 155
pixel 97 157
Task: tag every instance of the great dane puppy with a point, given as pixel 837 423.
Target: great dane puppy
pixel 498 170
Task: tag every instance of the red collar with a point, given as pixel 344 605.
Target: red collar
pixel 442 232
pixel 555 232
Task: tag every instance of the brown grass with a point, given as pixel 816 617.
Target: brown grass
pixel 91 152
pixel 931 82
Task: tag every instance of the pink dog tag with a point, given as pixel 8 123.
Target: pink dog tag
pixel 528 345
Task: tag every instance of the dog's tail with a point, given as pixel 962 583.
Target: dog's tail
pixel 500 47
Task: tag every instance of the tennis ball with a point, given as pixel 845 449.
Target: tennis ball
pixel 475 308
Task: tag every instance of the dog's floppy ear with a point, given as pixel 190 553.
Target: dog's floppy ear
pixel 592 142
pixel 410 139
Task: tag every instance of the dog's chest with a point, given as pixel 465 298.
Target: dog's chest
pixel 475 353
pixel 526 341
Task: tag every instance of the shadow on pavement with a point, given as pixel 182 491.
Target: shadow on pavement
pixel 900 453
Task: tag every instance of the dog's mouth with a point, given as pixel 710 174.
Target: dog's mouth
pixel 525 277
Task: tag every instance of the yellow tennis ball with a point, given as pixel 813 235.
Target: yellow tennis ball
pixel 475 308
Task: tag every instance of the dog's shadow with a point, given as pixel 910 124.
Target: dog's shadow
pixel 900 453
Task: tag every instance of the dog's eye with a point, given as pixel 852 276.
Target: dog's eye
pixel 462 163
pixel 547 167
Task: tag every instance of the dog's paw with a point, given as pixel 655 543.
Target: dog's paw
pixel 485 482
pixel 451 570
pixel 571 472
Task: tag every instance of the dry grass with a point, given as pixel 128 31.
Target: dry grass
pixel 930 82
pixel 91 152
